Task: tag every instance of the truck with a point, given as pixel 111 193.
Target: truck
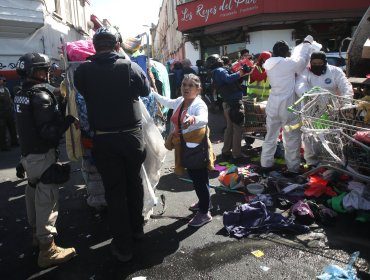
pixel 358 57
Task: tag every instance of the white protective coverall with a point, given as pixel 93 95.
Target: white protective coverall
pixel 333 80
pixel 281 74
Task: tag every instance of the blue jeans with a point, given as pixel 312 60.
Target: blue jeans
pixel 201 185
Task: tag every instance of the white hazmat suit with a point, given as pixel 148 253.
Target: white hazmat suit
pixel 281 73
pixel 333 80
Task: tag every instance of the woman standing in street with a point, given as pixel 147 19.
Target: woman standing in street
pixel 190 118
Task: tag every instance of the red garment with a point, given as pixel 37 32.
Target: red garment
pixel 318 186
pixel 260 74
pixel 256 75
pixel 263 56
pixel 362 136
pixel 86 143
pixel 174 119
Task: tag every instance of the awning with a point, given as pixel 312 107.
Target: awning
pixel 19 19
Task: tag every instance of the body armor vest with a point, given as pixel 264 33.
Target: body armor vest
pixel 29 137
pixel 110 103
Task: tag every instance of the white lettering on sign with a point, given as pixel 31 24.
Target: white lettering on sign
pixel 249 9
pixel 204 13
pixel 226 5
pixel 245 2
pixel 225 9
pixel 186 15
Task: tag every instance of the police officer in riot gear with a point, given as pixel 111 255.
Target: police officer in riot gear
pixel 6 117
pixel 202 72
pixel 111 86
pixel 40 127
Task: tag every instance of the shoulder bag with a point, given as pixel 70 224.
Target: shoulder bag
pixel 197 157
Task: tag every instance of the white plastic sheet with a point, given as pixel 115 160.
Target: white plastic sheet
pixel 155 156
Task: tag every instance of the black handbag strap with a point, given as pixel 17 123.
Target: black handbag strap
pixel 180 130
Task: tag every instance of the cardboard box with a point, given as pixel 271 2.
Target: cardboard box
pixel 366 49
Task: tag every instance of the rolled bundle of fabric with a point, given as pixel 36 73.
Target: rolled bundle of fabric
pixel 79 50
pixel 131 44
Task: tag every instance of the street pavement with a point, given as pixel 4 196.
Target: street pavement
pixel 170 249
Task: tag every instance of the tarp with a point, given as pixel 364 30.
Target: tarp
pixel 140 59
pixel 160 71
pixel 72 135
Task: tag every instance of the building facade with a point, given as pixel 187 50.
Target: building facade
pixel 168 43
pixel 37 26
pixel 228 26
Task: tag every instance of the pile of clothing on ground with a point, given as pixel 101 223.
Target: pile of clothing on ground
pixel 276 203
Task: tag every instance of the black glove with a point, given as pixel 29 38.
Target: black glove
pixel 20 171
pixel 70 119
pixel 246 68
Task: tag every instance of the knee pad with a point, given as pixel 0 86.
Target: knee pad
pixel 56 174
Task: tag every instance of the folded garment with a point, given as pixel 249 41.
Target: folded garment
pixel 336 203
pixel 355 201
pixel 255 218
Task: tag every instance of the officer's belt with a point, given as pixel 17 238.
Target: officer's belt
pixel 99 132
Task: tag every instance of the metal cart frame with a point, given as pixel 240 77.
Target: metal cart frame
pixel 330 122
pixel 254 120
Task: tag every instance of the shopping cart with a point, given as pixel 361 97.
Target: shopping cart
pixel 331 122
pixel 255 119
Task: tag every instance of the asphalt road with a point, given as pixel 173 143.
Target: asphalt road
pixel 170 249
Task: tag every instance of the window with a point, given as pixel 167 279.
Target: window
pixel 173 11
pixel 57 7
pixel 69 10
pixel 336 61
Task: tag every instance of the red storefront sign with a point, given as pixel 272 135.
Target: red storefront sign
pixel 206 12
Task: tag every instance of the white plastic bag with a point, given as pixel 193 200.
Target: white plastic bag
pixel 155 155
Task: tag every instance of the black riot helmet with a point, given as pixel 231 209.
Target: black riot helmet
pixel 106 37
pixel 280 48
pixel 213 61
pixel 28 63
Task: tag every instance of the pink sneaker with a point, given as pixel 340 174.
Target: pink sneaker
pixel 200 219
